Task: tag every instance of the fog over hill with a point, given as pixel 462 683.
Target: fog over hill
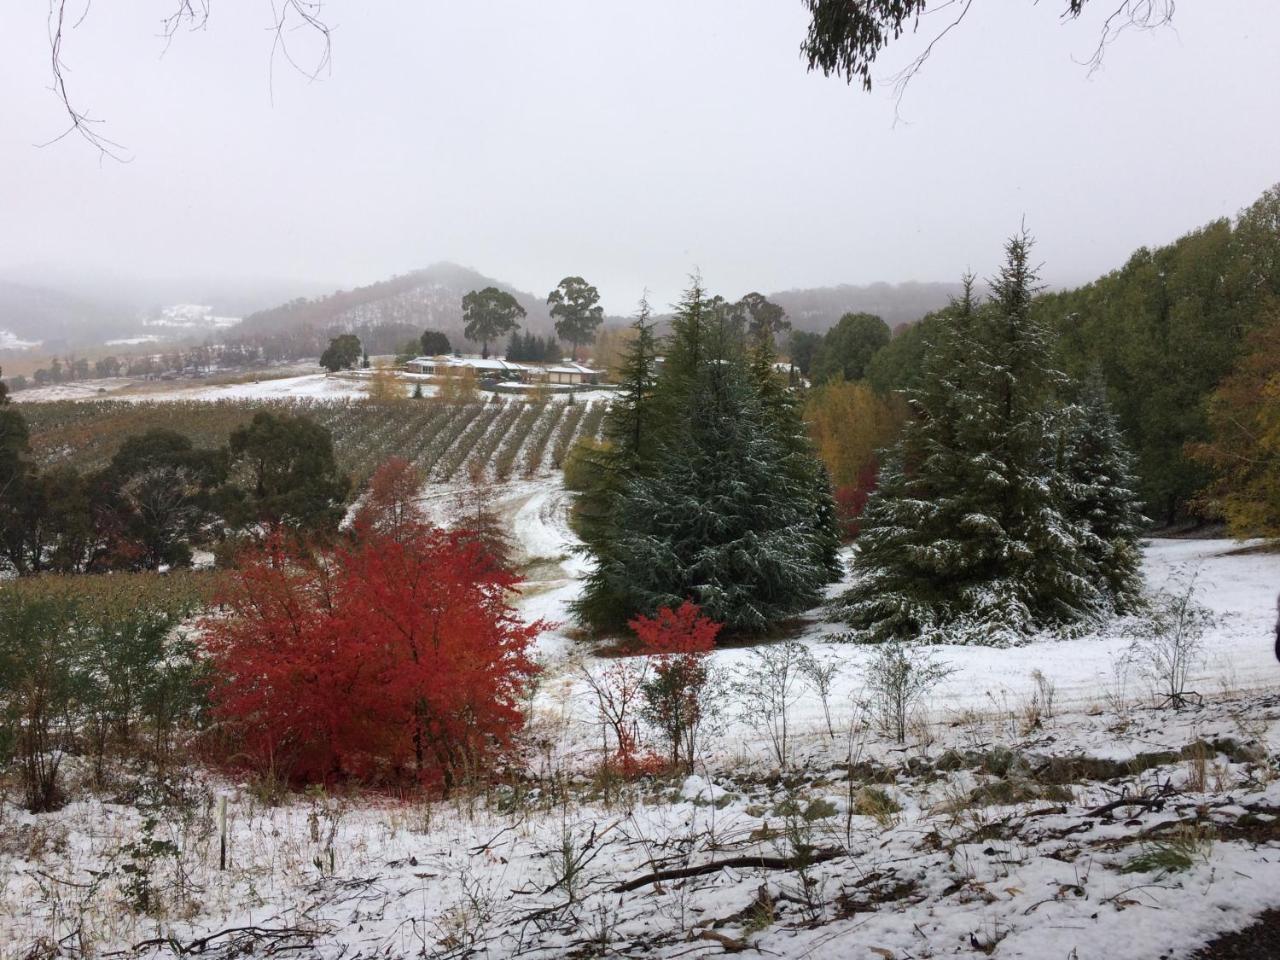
pixel 432 298
pixel 818 308
pixel 52 310
pixel 426 298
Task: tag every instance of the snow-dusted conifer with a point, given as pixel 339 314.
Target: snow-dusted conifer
pixel 966 539
pixel 1098 490
pixel 728 507
pixel 720 522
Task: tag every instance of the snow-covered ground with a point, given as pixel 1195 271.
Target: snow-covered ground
pixel 311 386
pixel 303 386
pixel 982 835
pixel 79 390
pixel 11 341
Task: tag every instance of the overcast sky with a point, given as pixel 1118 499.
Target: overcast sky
pixel 629 143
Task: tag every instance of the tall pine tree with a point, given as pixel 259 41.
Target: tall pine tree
pixel 630 440
pixel 710 492
pixel 969 538
pixel 1098 490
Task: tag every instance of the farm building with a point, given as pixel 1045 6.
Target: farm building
pixel 569 373
pixel 491 367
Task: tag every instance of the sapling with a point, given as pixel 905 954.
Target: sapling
pixel 1168 644
pixel 679 696
pixel 767 687
pixel 821 674
pixel 898 678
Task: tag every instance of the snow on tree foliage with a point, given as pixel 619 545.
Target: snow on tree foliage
pixel 996 516
pixel 1099 489
pixel 708 489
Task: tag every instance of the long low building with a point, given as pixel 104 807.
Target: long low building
pixel 493 367
pixel 445 365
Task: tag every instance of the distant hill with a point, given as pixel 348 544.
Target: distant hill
pixel 53 319
pixel 427 298
pixel 47 311
pixel 818 308
pixel 432 298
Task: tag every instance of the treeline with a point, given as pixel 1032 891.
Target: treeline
pixel 195 360
pixel 160 497
pixel 1166 329
pixel 530 348
pixel 1179 336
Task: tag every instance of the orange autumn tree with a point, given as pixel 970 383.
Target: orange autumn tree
pixel 389 506
pixel 393 657
pixel 1244 449
pixel 849 422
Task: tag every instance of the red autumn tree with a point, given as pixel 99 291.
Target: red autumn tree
pixel 683 631
pixel 395 656
pixel 388 507
pixel 852 500
pixel 677 694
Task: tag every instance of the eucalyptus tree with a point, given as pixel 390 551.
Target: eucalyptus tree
pixel 489 314
pixel 575 305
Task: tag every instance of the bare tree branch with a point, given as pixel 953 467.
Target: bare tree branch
pixel 905 76
pixel 287 16
pixel 1140 14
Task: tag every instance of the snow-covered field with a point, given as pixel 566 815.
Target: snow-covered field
pixel 304 386
pixel 983 835
pixel 309 386
pixel 11 341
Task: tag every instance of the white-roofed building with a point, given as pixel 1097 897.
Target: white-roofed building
pixel 567 373
pixel 491 367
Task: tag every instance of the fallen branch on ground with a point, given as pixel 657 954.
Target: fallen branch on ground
pixel 714 866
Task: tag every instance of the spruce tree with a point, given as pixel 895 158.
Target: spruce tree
pixel 799 460
pixel 707 490
pixel 966 539
pixel 630 440
pixel 719 522
pixel 915 553
pixel 1099 491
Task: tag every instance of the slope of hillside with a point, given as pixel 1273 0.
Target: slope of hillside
pixel 431 297
pixel 33 315
pixel 818 308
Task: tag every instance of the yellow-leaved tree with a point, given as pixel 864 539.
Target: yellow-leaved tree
pixel 849 422
pixel 1244 449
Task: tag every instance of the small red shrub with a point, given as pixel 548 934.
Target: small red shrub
pixel 852 500
pixel 676 694
pixel 683 630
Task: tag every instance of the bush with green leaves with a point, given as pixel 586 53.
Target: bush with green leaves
pixel 95 665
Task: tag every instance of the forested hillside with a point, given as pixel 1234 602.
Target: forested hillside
pixel 1164 330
